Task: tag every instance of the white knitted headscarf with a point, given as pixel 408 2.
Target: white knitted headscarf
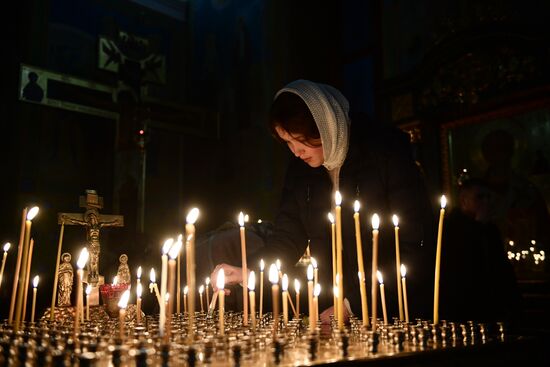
pixel 329 109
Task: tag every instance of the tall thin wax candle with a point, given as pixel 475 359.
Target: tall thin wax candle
pixel 438 259
pixel 220 284
pixel 360 264
pixel 339 254
pixel 201 291
pixel 163 283
pixel 382 296
pixel 374 293
pixel 252 295
pixel 397 265
pixel 403 273
pixel 139 290
pixel 191 280
pixel 274 279
pixel 244 268
pixel 7 246
pixel 285 299
pixel 56 274
pixel 17 266
pixel 334 260
pixel 35 281
pixel 297 289
pixel 80 264
pixel 122 304
pixel 310 296
pixel 262 266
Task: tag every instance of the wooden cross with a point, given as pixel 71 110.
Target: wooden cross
pixel 93 222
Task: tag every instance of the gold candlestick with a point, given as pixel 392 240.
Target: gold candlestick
pixel 17 266
pixel 360 265
pixel 56 274
pixel 310 296
pixel 35 281
pixel 297 290
pixel 339 265
pixel 201 291
pixel 262 266
pixel 138 302
pixel 375 224
pixel 382 296
pixel 252 295
pixel 334 261
pixel 122 304
pixel 438 259
pixel 403 273
pixel 80 264
pixel 220 284
pixel 7 246
pixel 397 265
pixel 191 218
pixel 274 279
pixel 23 273
pixel 244 268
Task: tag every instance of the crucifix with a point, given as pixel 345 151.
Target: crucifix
pixel 93 222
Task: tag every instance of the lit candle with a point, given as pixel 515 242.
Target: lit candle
pixel 56 271
pixel 262 266
pixel 115 280
pixel 334 260
pixel 220 284
pixel 122 304
pixel 403 273
pixel 153 286
pixel 17 266
pixel 7 246
pixel 191 283
pixel 339 254
pixel 201 291
pixel 374 294
pixel 310 296
pixel 395 220
pixel 88 292
pixel 27 280
pixel 139 290
pixel 278 264
pixel 185 292
pixel 315 271
pixel 23 272
pixel 297 290
pixel 360 264
pixel 252 295
pixel 285 299
pixel 163 282
pixel 35 281
pixel 382 296
pixel 438 259
pixel 244 268
pixel 207 282
pixel 316 293
pixel 80 264
pixel 178 278
pixel 274 279
pixel 173 255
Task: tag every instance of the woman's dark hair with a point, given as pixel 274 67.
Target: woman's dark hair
pixel 290 112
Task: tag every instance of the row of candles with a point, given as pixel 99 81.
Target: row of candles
pixel 171 252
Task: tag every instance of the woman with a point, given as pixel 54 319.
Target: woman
pixel 375 168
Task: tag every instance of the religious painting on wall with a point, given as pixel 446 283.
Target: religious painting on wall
pixel 510 152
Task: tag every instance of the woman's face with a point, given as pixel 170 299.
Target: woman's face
pixel 311 154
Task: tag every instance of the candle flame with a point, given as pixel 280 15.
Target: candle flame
pixel 359 275
pixel 82 258
pixel 259 221
pixel 115 280
pixel 192 216
pixel 262 265
pixel 314 263
pixel 443 201
pixel 317 290
pixel 175 250
pixel 220 282
pixel 185 290
pixel 252 281
pixel 207 281
pixel 241 219
pixel 403 270
pixel 123 302
pixel 32 213
pixel 379 276
pixel 395 220
pixel 356 206
pixel 167 245
pixel 7 246
pixel 246 218
pixel 88 289
pixel 331 218
pixel 337 198
pixel 375 221
pixel 310 272
pixel 152 276
pixel 139 272
pixel 273 274
pixel 201 289
pixel 139 290
pixel 35 281
pixel 166 297
pixel 285 283
pixel 278 264
pixel 335 291
pixel 297 285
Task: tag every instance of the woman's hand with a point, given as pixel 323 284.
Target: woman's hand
pixel 233 275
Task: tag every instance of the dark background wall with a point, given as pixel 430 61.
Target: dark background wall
pixel 395 60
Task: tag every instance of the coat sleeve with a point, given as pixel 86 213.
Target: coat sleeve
pixel 288 240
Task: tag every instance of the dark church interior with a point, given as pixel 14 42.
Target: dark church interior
pixel 159 106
